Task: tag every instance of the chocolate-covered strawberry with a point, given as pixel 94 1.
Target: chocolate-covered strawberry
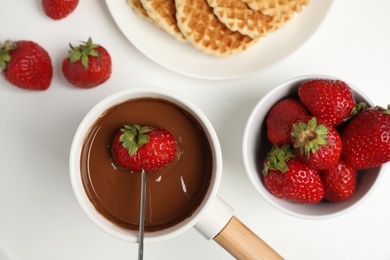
pixel 366 139
pixel 149 148
pixel 317 144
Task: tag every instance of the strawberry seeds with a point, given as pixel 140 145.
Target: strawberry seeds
pixel 329 137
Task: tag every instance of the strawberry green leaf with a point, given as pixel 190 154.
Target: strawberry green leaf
pixel 133 149
pixel 273 162
pixel 310 137
pixel 84 61
pixel 73 55
pixel 5 57
pixel 3 64
pixel 355 110
pixel 134 136
pixel 146 129
pixel 384 110
pixel 143 139
pixel 277 159
pixel 93 53
pixel 82 52
pixel 282 166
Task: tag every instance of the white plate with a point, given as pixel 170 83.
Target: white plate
pixel 182 58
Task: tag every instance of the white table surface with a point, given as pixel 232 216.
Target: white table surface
pixel 39 215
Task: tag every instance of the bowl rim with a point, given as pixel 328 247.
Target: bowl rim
pixel 83 129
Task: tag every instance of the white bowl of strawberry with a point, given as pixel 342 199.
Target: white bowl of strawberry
pixel 315 146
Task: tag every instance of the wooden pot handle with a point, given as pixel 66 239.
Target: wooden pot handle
pixel 242 243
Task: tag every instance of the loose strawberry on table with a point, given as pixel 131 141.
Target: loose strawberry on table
pixel 316 143
pixel 135 148
pixel 366 138
pixel 87 65
pixel 26 64
pixel 287 177
pixel 59 9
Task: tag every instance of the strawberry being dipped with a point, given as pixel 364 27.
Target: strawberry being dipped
pixel 339 181
pixel 287 177
pixel 136 148
pixel 26 65
pixel 316 144
pixel 87 65
pixel 59 9
pixel 329 100
pixel 280 119
pixel 366 139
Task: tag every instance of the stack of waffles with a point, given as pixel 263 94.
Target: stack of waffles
pixel 218 27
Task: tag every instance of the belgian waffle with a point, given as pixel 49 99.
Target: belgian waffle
pixel 205 32
pixel 218 27
pixel 276 7
pixel 237 16
pixel 163 14
pixel 139 9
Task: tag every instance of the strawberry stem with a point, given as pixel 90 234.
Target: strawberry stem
pixel 387 111
pixel 277 158
pixel 384 110
pixel 355 110
pixel 134 136
pixel 5 48
pixel 83 52
pixel 309 137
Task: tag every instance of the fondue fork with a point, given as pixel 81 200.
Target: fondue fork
pixel 142 217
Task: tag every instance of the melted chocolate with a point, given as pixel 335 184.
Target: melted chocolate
pixel 172 193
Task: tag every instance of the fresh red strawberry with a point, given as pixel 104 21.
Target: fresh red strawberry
pixel 317 144
pixel 339 181
pixel 287 177
pixel 366 139
pixel 329 100
pixel 26 64
pixel 87 65
pixel 58 9
pixel 136 148
pixel 280 119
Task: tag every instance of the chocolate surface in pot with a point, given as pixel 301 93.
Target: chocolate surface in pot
pixel 172 193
